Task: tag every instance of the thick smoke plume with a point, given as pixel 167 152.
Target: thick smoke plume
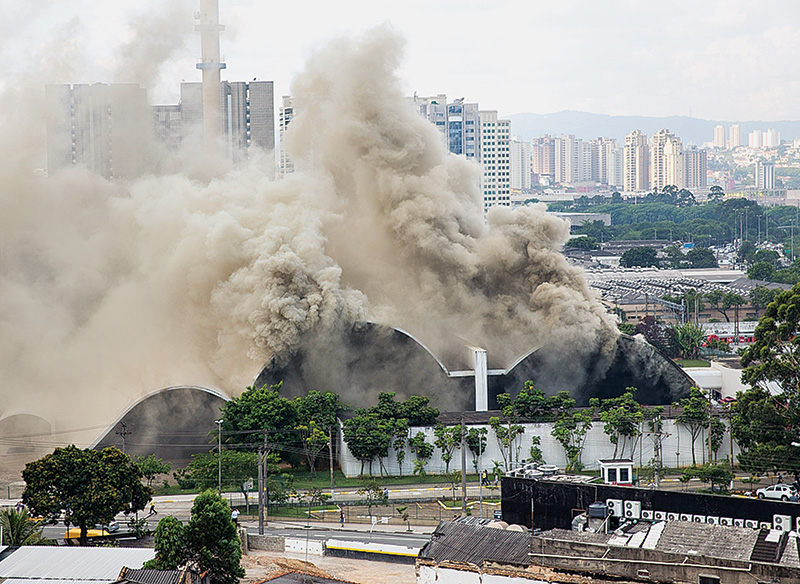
pixel 112 290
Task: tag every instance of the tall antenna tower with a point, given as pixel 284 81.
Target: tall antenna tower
pixel 211 66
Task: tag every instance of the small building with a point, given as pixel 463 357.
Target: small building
pixel 617 471
pixel 68 565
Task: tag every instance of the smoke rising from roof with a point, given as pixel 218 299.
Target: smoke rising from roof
pixel 111 290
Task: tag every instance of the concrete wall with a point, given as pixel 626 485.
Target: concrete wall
pixel 659 566
pixel 297 545
pixel 267 543
pixel 676 450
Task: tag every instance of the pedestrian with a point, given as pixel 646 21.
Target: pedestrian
pixel 153 509
pixel 496 479
pixel 386 494
pixel 235 516
pixel 484 478
pixel 341 518
pixel 780 478
pixel 20 506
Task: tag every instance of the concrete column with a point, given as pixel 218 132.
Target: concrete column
pixel 481 380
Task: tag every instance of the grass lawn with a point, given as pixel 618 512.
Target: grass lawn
pixel 692 363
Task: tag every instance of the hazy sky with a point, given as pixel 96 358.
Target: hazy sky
pixel 731 60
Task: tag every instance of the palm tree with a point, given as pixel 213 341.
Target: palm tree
pixel 19 528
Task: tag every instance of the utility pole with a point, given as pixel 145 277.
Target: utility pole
pixel 260 492
pixel 463 470
pixel 330 453
pixel 219 455
pixel 123 432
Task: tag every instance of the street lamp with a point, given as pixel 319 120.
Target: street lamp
pixel 219 455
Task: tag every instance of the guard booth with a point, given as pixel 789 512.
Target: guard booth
pixel 617 471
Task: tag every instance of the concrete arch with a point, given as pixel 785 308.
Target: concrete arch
pixel 172 422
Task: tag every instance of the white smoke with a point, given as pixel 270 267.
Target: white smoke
pixel 112 290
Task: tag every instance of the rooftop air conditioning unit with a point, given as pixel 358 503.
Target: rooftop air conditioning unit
pixel 797 524
pixel 766 525
pixel 728 521
pixel 711 519
pixel 782 522
pixel 685 516
pixel 647 514
pixel 633 509
pixel 673 516
pixel 615 507
pixel 660 515
pixel 738 522
pixel 699 518
pixel 751 523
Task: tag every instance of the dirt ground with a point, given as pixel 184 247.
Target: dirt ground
pixel 260 565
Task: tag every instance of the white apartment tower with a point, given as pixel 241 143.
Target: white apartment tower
pixel 520 165
pixel 495 140
pixel 606 162
pixel 247 114
pixel 754 139
pixel 719 137
pixel 666 163
pixel 543 158
pixel 102 127
pixel 765 174
pixel 458 122
pixel 636 163
pixel 285 115
pixel 695 164
pixel 735 137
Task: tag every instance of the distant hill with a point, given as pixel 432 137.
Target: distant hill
pixel 586 126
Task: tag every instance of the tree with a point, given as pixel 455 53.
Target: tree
pixel 312 440
pixel 373 492
pixel 621 417
pixel 694 415
pixel 768 256
pixel 399 441
pixel 19 528
pixel 701 257
pixel 90 486
pixel 570 430
pixel 643 256
pixel 715 474
pixel 761 271
pixel 716 194
pixel 259 409
pixel 152 466
pixel 212 543
pixel 368 436
pixel 169 544
pixel 536 452
pixel 764 426
pixel 448 440
pixel 775 354
pixel 724 301
pixel 746 251
pixel 761 296
pixel 423 450
pixel 237 467
pixel 476 442
pixel 533 404
pixel 585 242
pixel 690 338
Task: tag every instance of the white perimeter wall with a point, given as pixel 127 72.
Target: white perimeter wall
pixel 439 575
pixel 676 450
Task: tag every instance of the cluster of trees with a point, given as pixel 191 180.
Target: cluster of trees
pixel 645 256
pixel 672 214
pixel 209 542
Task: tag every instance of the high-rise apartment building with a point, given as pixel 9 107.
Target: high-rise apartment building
pixel 754 139
pixel 543 158
pixel 735 137
pixel 765 174
pixel 566 159
pixel 666 163
pixel 495 157
pixel 606 162
pixel 719 137
pixel 458 122
pixel 520 165
pixel 771 138
pixel 285 115
pixel 695 164
pixel 636 163
pixel 247 115
pixel 102 127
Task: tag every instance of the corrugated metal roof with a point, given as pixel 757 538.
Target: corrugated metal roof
pixel 302 578
pixel 152 576
pixel 68 563
pixel 473 544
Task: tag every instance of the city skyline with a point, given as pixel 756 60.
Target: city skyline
pixel 638 59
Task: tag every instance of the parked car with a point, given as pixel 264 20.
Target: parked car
pixel 780 491
pixel 727 400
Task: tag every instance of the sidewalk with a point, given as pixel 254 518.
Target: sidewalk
pixel 252 525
